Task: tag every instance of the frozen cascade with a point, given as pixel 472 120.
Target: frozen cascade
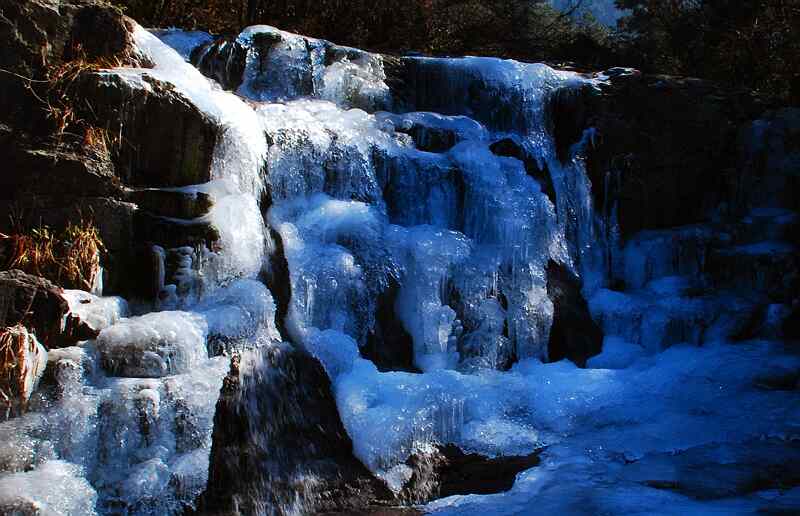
pixel 364 199
pixel 393 198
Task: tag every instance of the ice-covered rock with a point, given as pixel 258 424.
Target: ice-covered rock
pixel 154 345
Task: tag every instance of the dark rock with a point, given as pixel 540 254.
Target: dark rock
pixel 430 139
pixel 567 114
pixel 771 268
pixel 664 150
pixel 511 148
pixel 278 442
pixel 279 282
pixel 573 335
pixel 39 35
pixel 164 139
pixel 448 471
pixel 223 60
pixel 172 203
pixel 769 159
pixel 51 172
pixel 171 233
pixel 426 85
pixel 39 305
pixel 389 345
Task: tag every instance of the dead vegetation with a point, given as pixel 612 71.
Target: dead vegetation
pixel 21 364
pixel 70 258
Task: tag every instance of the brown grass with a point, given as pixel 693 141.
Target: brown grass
pixel 15 345
pixel 70 259
pixel 61 84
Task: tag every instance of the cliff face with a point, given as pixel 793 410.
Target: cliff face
pixel 84 143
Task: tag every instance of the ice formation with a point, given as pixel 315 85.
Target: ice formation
pixel 399 206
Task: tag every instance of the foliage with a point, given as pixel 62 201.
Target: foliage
pixel 748 43
pixel 70 258
pixel 524 29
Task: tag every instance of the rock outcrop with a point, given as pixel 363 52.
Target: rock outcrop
pixel 573 335
pixel 445 470
pixel 663 150
pixel 279 445
pixel 142 138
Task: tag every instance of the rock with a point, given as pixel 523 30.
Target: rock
pixel 573 335
pixel 22 362
pixel 173 233
pixel 770 156
pixel 664 150
pixel 771 268
pixel 223 60
pixel 35 303
pixel 279 445
pixel 445 471
pixel 41 35
pixel 52 172
pixel 164 139
pixel 389 345
pixel 172 203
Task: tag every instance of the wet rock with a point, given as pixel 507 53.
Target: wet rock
pixel 279 445
pixel 445 470
pixel 223 60
pixel 573 335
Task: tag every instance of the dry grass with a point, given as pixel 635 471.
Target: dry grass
pixel 18 354
pixel 59 99
pixel 70 259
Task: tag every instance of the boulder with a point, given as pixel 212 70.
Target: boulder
pixel 33 302
pixel 573 335
pixel 163 138
pixel 279 445
pixel 40 35
pixel 42 307
pixel 445 470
